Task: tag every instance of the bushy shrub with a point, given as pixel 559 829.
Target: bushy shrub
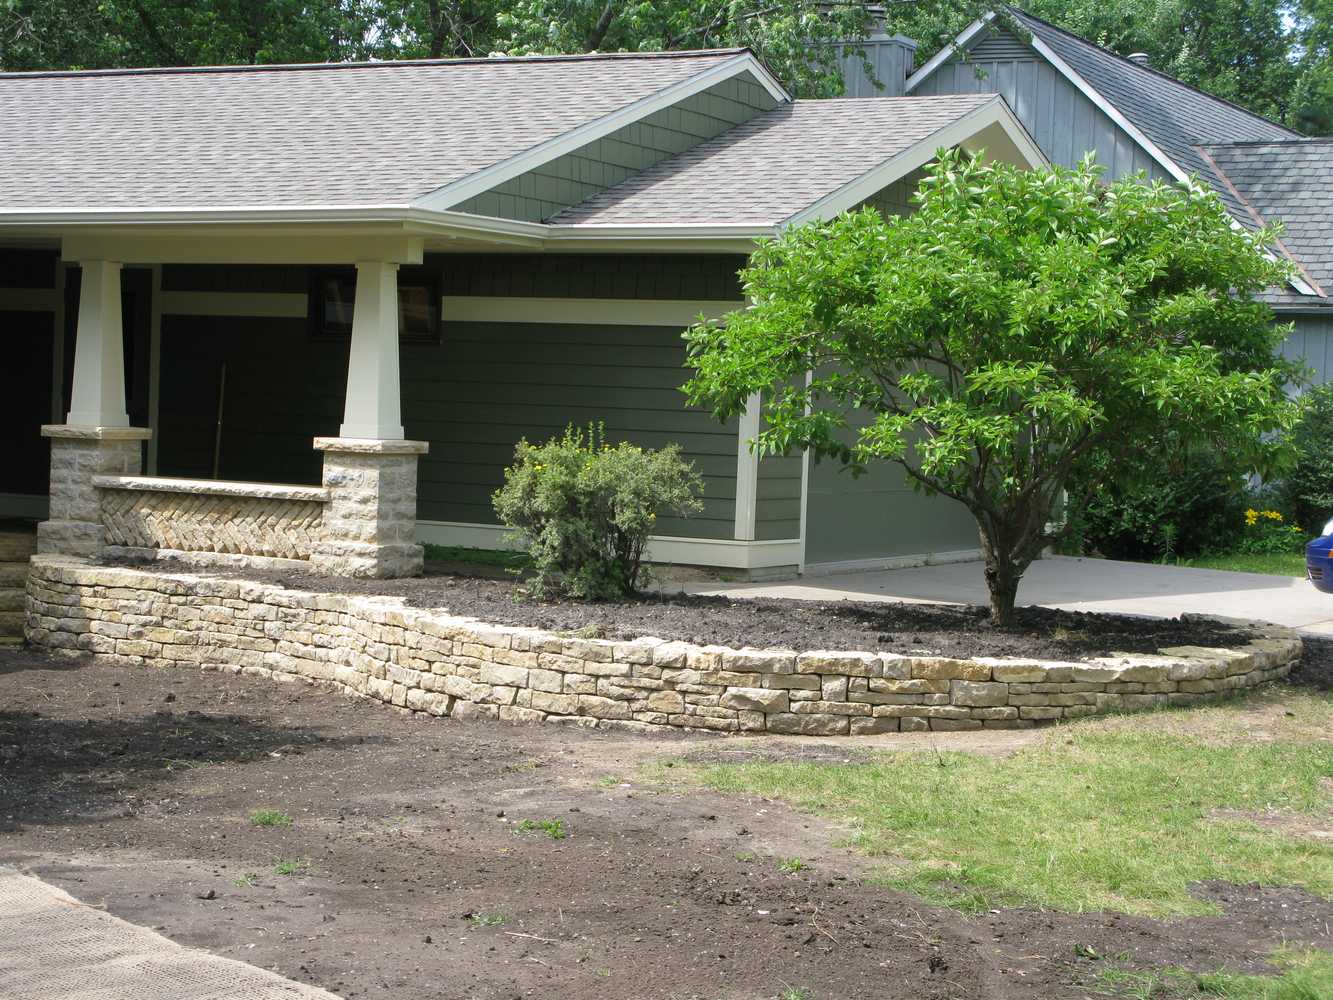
pixel 1181 506
pixel 583 508
pixel 1306 492
pixel 1266 532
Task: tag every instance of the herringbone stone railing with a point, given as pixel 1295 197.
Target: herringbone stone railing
pixel 250 519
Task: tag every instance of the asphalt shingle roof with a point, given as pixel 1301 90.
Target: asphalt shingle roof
pixel 369 134
pixel 770 168
pixel 1174 116
pixel 1289 182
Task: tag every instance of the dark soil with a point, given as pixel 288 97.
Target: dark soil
pixel 1315 669
pixel 938 629
pixel 131 789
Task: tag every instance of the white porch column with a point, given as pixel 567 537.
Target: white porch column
pixel 373 408
pixel 747 471
pixel 98 396
pixel 97 438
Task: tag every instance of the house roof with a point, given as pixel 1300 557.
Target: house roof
pixel 1291 182
pixel 1173 116
pixel 779 164
pixel 328 134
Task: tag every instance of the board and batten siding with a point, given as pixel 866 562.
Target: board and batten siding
pixel 604 163
pixel 1311 341
pixel 1064 123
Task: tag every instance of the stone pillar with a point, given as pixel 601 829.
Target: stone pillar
pixel 78 454
pixel 96 440
pixel 370 521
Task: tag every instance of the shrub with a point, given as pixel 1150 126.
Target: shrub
pixel 1306 493
pixel 584 508
pixel 1181 506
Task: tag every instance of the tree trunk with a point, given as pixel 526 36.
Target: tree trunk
pixel 1004 568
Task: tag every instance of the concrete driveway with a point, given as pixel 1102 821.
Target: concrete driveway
pixel 1078 585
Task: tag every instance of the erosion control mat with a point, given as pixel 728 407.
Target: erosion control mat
pixel 52 947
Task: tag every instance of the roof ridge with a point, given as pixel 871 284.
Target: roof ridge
pixel 1149 69
pixel 371 64
pixel 1305 140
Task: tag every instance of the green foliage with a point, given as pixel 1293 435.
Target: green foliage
pixel 477 920
pixel 270 817
pixel 1266 533
pixel 584 508
pixel 792 866
pixel 1279 564
pixel 1021 327
pixel 553 828
pixel 291 866
pixel 1180 504
pixel 1305 975
pixel 1306 491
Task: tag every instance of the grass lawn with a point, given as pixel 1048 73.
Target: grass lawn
pixel 1306 975
pixel 1120 814
pixel 1283 564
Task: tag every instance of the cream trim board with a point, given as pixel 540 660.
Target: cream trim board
pixel 721 553
pixel 28 299
pixel 567 142
pixel 891 562
pixel 994 113
pixel 293 305
pixel 602 312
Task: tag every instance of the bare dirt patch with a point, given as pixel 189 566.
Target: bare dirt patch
pixel 133 789
pixel 932 629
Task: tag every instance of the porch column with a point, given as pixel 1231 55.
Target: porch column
pixel 369 525
pixel 96 439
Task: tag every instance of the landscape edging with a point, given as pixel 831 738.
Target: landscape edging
pixel 429 661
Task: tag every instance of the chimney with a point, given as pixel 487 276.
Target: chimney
pixel 890 56
pixel 1138 57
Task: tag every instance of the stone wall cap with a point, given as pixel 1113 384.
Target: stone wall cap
pixel 83 432
pixel 372 446
pixel 212 487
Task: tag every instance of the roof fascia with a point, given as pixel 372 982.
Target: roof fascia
pixel 994 112
pixel 483 180
pixel 965 40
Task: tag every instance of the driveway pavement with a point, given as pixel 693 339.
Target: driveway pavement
pixel 1078 585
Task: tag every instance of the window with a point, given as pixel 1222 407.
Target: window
pixel 333 299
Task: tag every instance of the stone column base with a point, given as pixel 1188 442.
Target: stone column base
pixel 78 454
pixel 370 522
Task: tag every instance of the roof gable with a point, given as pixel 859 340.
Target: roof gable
pixel 383 134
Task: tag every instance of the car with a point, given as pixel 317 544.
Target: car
pixel 1319 560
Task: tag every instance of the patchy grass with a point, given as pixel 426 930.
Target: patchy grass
pixel 1121 814
pixel 291 866
pixel 270 817
pixel 246 880
pixel 791 866
pixel 1306 975
pixel 485 919
pixel 553 828
pixel 1279 564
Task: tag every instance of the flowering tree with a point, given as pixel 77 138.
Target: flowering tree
pixel 1016 328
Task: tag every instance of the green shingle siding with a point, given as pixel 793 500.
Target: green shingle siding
pixel 569 179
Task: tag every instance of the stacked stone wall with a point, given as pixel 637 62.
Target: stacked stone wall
pixel 433 662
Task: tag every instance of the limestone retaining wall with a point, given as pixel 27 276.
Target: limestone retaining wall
pixel 430 661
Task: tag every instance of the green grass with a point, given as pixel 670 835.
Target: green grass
pixel 270 817
pixel 1306 975
pixel 790 866
pixel 502 558
pixel 1280 564
pixel 246 880
pixel 291 866
pixel 485 919
pixel 1116 815
pixel 553 828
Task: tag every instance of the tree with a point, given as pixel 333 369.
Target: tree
pixel 1018 327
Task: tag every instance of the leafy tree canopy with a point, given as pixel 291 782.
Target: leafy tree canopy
pixel 1017 328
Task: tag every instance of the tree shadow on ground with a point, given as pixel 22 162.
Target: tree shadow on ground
pixel 61 770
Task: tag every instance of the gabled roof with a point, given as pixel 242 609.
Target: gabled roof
pixel 798 161
pixel 1291 182
pixel 382 134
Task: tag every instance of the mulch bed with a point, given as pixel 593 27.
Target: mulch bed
pixel 933 629
pixel 131 787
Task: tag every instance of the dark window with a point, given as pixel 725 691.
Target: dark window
pixel 333 298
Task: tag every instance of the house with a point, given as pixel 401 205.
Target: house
pixel 1075 97
pixel 305 312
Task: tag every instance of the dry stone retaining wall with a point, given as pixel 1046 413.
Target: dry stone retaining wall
pixel 430 661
